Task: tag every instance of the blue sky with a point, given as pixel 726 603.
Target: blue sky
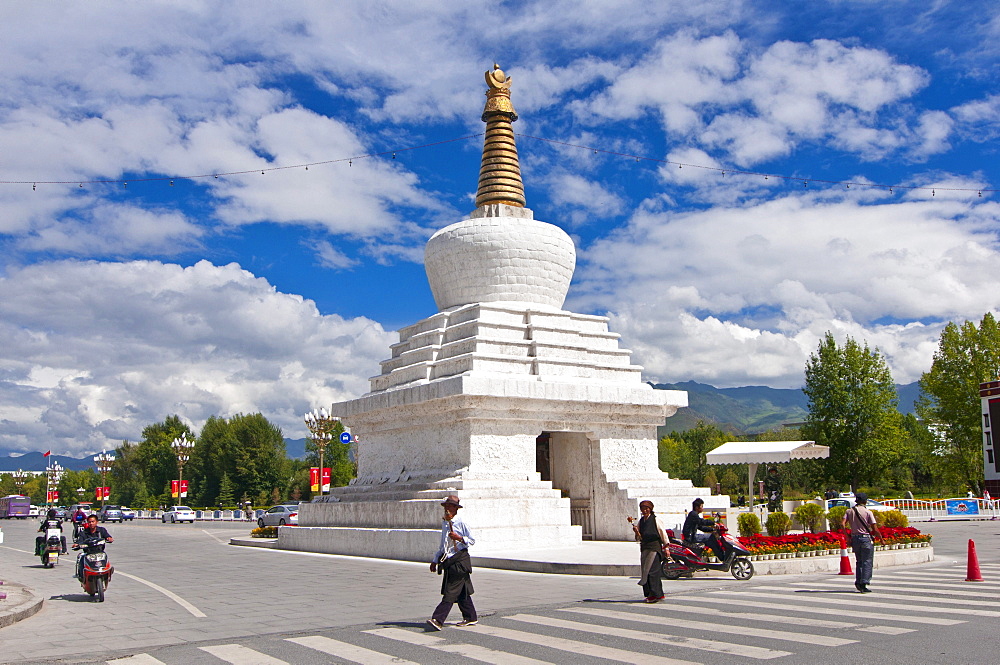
pixel 279 292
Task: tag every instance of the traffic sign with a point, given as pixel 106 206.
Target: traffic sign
pixel 345 437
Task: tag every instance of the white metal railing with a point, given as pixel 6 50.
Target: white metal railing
pixel 946 509
pixel 580 513
pixel 204 515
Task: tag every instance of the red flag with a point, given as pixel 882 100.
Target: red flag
pixel 46 454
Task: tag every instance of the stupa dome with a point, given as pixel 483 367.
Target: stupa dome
pixel 503 256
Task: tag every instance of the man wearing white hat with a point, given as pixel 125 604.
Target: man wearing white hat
pixel 453 562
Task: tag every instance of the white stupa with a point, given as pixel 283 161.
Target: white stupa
pixel 532 414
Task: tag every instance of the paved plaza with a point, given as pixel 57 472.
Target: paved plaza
pixel 182 595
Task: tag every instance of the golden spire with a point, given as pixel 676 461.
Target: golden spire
pixel 500 174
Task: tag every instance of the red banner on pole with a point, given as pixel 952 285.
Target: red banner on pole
pixel 174 488
pixel 184 488
pixel 326 479
pixel 52 496
pixel 314 478
pixel 98 493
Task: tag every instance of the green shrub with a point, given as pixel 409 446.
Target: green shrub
pixel 748 524
pixel 809 516
pixel 835 517
pixel 894 519
pixel 778 524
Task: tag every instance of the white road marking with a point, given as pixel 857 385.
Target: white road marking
pixel 674 606
pixel 473 651
pixel 350 652
pixel 14 549
pixel 637 617
pixel 868 602
pixel 166 592
pixel 583 648
pixel 138 659
pixel 656 638
pixel 921 589
pixel 811 609
pixel 237 654
pixel 212 535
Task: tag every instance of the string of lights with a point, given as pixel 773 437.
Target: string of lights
pixel 724 171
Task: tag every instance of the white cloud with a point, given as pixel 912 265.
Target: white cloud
pixel 742 292
pixel 96 351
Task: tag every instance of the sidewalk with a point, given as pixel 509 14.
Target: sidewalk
pixel 621 559
pixel 20 603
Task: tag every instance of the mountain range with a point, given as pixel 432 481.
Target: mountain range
pixel 745 410
pixel 750 409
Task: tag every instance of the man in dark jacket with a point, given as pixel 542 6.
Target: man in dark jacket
pixel 697 529
pixel 92 530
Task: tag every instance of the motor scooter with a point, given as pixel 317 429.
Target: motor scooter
pixel 51 547
pixel 97 570
pixel 686 558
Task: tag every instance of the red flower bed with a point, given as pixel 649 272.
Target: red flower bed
pixel 761 544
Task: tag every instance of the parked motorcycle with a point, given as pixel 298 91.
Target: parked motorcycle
pixel 97 570
pixel 51 547
pixel 686 558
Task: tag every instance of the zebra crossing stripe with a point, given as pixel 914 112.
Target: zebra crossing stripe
pixel 856 602
pixel 636 617
pixel 921 589
pixel 473 651
pixel 671 640
pixel 811 609
pixel 237 654
pixel 138 659
pixel 778 618
pixel 923 578
pixel 577 647
pixel 346 651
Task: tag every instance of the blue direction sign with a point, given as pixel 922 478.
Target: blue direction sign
pixel 345 437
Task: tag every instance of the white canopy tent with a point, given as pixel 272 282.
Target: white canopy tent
pixel 755 453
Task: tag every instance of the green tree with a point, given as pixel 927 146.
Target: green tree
pixel 852 409
pixel 154 455
pixel 226 497
pixel 949 403
pixel 127 478
pixel 682 455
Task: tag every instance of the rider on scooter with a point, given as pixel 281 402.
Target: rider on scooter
pixel 695 523
pixel 92 530
pixel 51 521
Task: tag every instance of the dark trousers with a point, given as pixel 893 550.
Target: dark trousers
pixel 864 557
pixel 653 588
pixel 464 604
pixel 40 544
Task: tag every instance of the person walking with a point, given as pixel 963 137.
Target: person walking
pixel 861 522
pixel 453 562
pixel 652 540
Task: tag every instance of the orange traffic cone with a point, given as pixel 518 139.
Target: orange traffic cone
pixel 973 574
pixel 845 561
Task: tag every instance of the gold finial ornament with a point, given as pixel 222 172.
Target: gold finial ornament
pixel 500 173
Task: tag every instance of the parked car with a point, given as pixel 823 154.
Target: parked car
pixel 110 513
pixel 282 515
pixel 61 512
pixel 178 514
pixel 846 499
pixel 35 511
pixel 127 513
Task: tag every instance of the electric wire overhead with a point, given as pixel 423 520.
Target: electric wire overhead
pixel 723 171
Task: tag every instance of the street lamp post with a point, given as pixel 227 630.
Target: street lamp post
pixel 103 461
pixel 182 446
pixel 20 477
pixel 52 475
pixel 320 425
